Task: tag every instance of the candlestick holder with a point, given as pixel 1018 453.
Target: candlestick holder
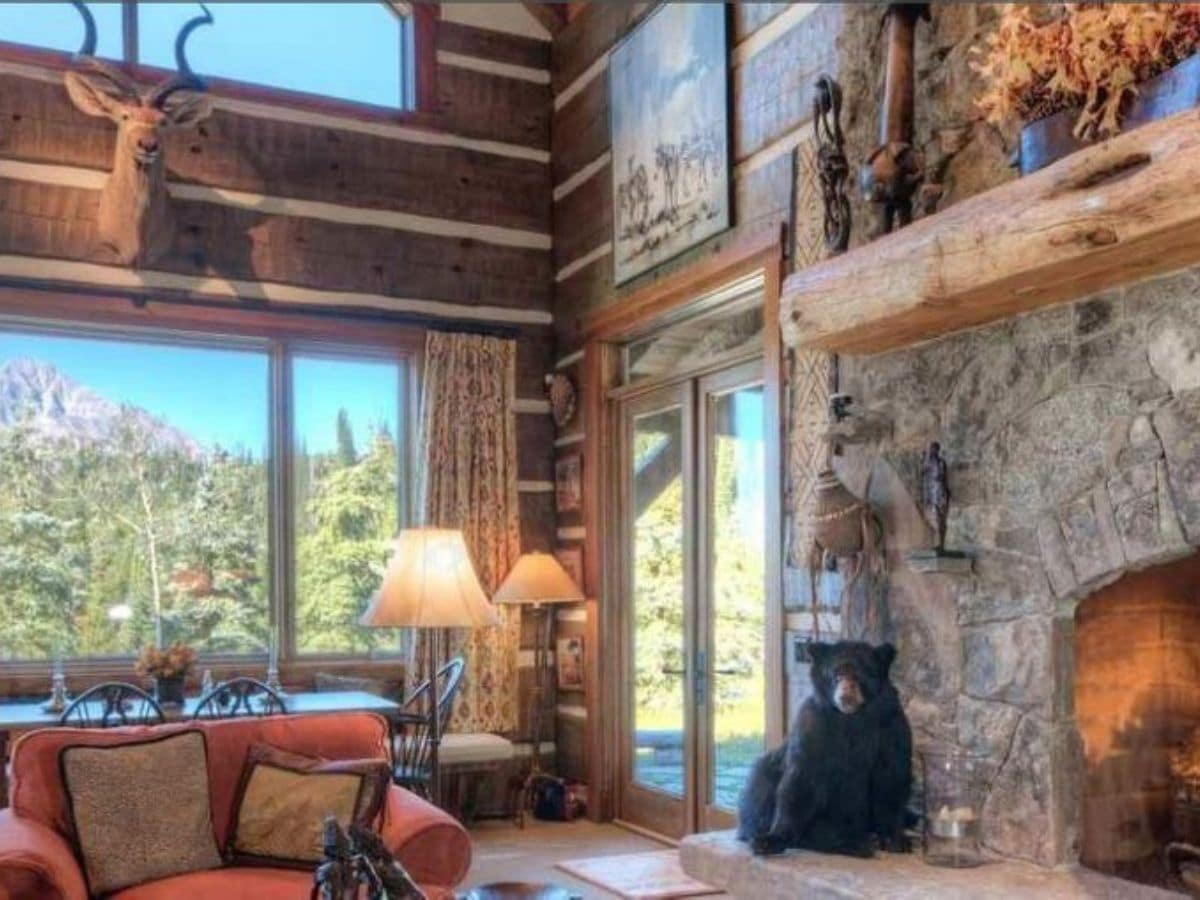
pixel 272 680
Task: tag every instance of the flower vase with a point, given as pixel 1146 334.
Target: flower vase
pixel 1048 140
pixel 169 691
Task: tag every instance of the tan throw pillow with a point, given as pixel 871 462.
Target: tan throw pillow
pixel 126 834
pixel 285 797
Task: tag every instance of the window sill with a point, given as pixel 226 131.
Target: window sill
pixel 32 679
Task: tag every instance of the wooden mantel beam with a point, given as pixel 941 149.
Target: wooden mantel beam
pixel 1111 214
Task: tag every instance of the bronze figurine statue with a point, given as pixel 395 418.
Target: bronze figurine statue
pixel 935 492
pixel 832 166
pixel 895 169
pixel 360 859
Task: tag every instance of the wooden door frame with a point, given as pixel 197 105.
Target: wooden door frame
pixel 603 332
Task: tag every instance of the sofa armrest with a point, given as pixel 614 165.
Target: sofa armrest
pixel 35 862
pixel 430 844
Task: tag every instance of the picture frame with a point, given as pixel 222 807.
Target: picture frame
pixel 569 663
pixel 568 483
pixel 571 559
pixel 669 117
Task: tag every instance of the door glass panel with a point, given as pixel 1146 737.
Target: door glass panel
pixel 737 520
pixel 657 556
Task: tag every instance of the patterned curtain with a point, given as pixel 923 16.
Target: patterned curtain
pixel 468 479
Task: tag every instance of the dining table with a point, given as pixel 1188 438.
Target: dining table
pixel 29 715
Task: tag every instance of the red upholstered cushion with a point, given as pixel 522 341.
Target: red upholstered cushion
pixel 37 789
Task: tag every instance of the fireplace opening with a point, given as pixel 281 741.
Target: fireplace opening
pixel 1137 701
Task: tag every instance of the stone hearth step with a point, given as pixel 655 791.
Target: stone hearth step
pixel 724 862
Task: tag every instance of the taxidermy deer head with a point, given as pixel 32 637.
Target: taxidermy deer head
pixel 135 218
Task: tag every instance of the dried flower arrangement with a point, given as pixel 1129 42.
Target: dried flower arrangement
pixel 173 662
pixel 1040 61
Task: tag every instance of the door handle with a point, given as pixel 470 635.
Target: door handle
pixel 731 671
pixel 666 671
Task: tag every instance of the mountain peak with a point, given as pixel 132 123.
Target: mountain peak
pixel 37 394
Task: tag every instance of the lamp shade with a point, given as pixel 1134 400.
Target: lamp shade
pixel 538 578
pixel 430 583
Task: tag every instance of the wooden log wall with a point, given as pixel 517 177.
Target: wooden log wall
pixel 444 222
pixel 778 51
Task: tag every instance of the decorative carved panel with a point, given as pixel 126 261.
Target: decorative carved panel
pixel 810 373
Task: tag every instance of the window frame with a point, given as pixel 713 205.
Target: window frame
pixel 281 336
pixel 420 20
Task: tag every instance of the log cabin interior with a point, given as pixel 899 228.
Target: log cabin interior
pixel 599 449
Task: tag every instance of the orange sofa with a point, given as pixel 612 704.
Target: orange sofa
pixel 36 860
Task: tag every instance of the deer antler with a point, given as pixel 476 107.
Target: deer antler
pixel 86 57
pixel 186 80
pixel 89 29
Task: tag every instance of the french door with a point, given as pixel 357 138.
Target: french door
pixel 692 548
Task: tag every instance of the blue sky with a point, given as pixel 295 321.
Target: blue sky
pixel 220 396
pixel 346 50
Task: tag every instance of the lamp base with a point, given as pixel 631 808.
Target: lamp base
pixel 544 630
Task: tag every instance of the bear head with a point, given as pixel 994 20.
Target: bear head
pixel 850 674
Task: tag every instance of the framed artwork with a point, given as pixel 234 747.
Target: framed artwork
pixel 568 483
pixel 571 559
pixel 568 661
pixel 669 111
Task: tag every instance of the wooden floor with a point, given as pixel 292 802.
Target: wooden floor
pixel 502 852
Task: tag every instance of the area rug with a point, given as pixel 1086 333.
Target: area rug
pixel 639 876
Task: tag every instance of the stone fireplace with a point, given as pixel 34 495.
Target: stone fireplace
pixel 1073 438
pixel 1068 655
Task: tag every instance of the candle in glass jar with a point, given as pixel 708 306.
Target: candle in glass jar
pixel 952 823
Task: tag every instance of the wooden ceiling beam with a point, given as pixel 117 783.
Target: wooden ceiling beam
pixel 552 16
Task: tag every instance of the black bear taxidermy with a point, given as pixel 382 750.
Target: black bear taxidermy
pixel 842 781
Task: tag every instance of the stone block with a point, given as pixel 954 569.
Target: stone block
pixel 986 727
pixel 1115 358
pixel 1056 449
pixel 1005 587
pixel 1174 353
pixel 1008 661
pixel 1018 817
pixel 1134 482
pixel 1090 532
pixel 1145 515
pixel 719 859
pixel 1178 425
pixel 1142 444
pixel 1094 316
pixel 1055 558
pixel 1137 522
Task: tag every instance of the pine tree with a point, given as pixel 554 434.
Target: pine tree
pixel 346 452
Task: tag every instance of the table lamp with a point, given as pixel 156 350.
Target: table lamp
pixel 536 581
pixel 430 584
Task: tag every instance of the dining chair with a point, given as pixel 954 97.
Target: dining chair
pixel 414 726
pixel 111 704
pixel 241 696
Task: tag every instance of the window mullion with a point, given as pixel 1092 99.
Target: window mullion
pixel 129 32
pixel 282 527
